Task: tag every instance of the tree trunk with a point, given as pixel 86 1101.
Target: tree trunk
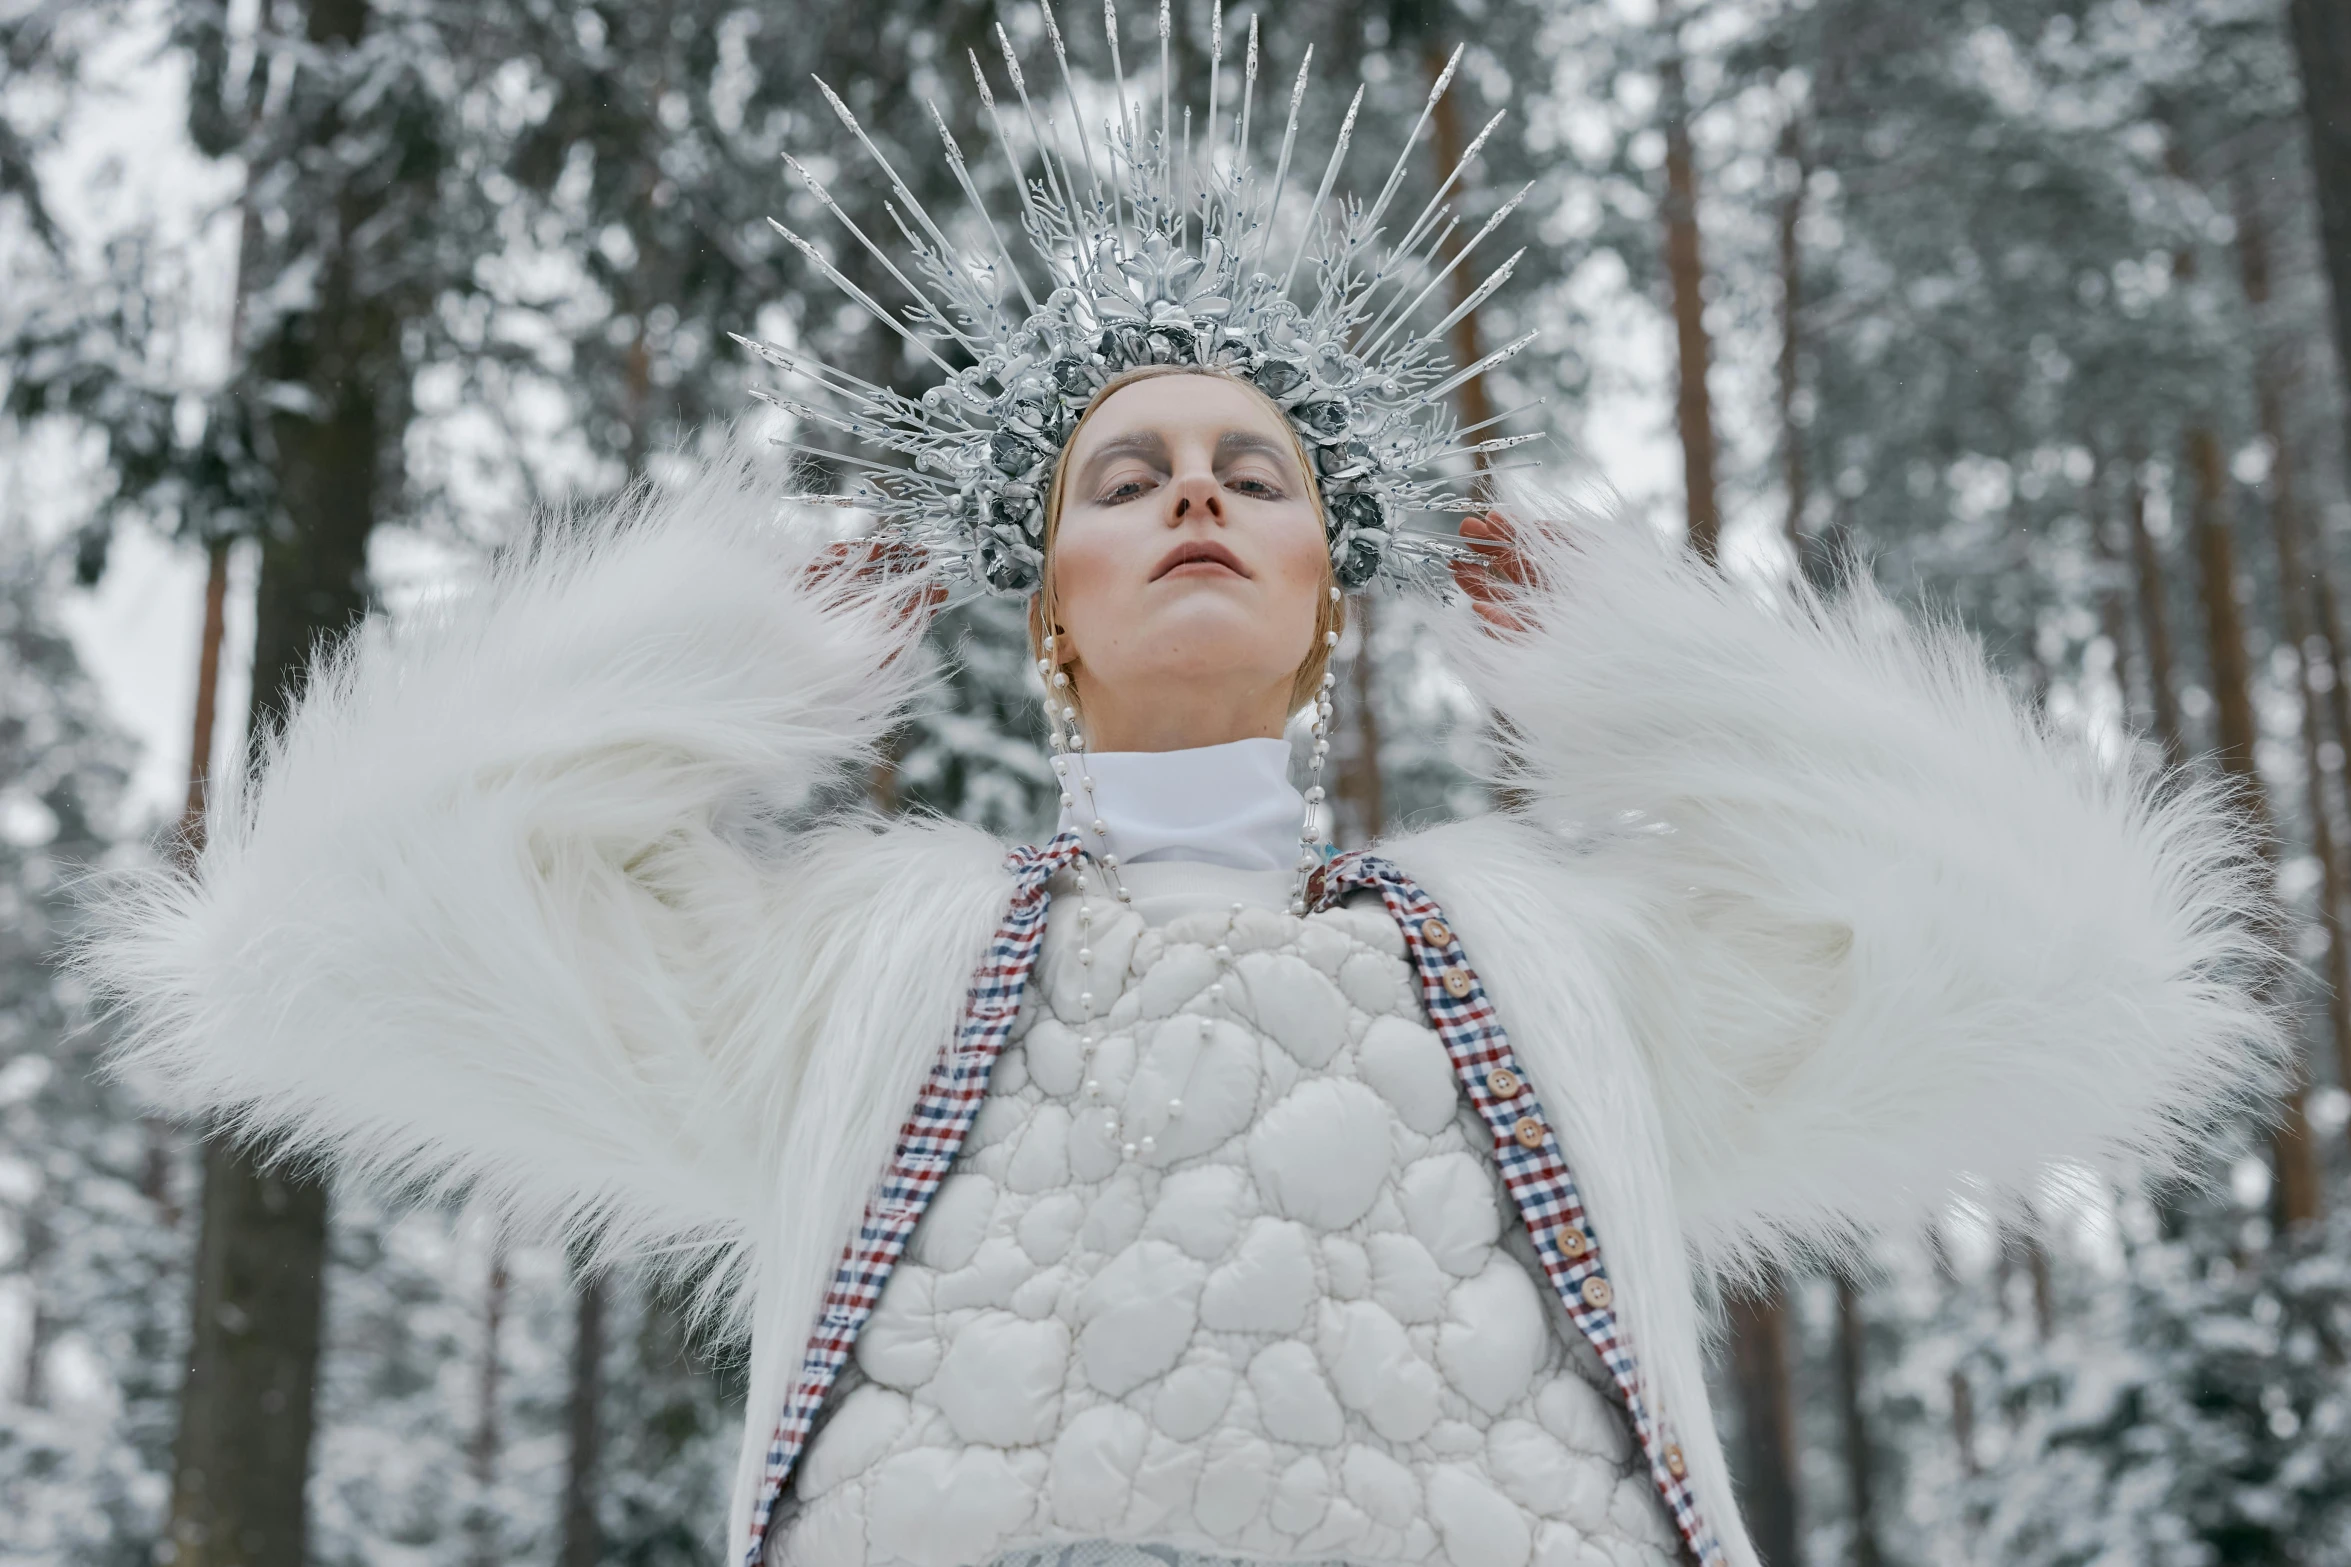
pixel 208 651
pixel 2270 381
pixel 2114 619
pixel 242 1456
pixel 1686 273
pixel 2295 1200
pixel 2329 627
pixel 1758 1323
pixel 35 1240
pixel 1792 475
pixel 2114 626
pixel 243 1452
pixel 1767 1423
pixel 2163 698
pixel 2037 1269
pixel 1962 1390
pixel 155 1167
pixel 1860 1468
pixel 2329 631
pixel 581 1542
pixel 482 1448
pixel 2322 51
pixel 2294 594
pixel 1963 1424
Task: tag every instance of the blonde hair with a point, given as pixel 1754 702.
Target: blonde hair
pixel 1330 613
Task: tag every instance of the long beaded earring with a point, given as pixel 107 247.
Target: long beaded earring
pixel 1309 832
pixel 1069 745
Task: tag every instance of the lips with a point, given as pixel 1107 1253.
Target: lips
pixel 1200 552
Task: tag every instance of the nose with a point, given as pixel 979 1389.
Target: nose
pixel 1194 495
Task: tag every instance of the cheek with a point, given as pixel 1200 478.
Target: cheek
pixel 1304 552
pixel 1091 569
pixel 1300 561
pixel 1299 568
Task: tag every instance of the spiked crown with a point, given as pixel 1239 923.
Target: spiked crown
pixel 1149 248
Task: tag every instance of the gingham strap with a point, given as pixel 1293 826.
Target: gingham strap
pixel 927 1145
pixel 1533 1166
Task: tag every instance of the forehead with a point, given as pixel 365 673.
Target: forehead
pixel 1175 407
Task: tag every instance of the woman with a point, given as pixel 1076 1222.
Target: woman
pixel 1248 1206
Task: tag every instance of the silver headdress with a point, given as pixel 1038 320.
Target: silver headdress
pixel 1155 251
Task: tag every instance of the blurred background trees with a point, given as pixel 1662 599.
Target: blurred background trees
pixel 2036 309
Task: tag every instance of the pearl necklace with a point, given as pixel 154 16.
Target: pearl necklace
pixel 1069 746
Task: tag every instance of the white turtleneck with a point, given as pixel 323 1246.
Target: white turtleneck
pixel 1229 804
pixel 1182 823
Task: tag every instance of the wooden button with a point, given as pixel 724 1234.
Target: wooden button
pixel 1503 1083
pixel 1529 1132
pixel 1434 932
pixel 1597 1294
pixel 1456 982
pixel 1675 1464
pixel 1570 1241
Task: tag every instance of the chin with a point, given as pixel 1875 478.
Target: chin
pixel 1216 621
pixel 1209 637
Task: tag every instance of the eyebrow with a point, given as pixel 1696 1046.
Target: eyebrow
pixel 1238 443
pixel 1145 444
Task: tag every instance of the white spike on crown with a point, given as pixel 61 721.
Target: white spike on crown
pixel 1153 254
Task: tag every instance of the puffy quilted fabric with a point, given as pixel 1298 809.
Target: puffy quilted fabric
pixel 1302 1326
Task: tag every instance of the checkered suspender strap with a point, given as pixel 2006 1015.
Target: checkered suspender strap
pixel 927 1145
pixel 1534 1167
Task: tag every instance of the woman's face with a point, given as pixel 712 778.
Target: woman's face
pixel 1188 566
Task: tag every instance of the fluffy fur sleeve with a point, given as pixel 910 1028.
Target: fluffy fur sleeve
pixel 525 895
pixel 1884 937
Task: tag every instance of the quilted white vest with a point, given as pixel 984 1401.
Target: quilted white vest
pixel 1300 1323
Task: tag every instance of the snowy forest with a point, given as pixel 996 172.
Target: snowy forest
pixel 2036 310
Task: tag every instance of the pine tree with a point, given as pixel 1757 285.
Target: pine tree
pixel 2190 1411
pixel 86 1393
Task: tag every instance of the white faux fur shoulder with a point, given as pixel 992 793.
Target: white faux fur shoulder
pixel 503 905
pixel 1883 936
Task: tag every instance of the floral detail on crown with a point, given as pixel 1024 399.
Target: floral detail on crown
pixel 1152 252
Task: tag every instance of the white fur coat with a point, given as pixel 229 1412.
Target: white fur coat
pixel 1805 926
